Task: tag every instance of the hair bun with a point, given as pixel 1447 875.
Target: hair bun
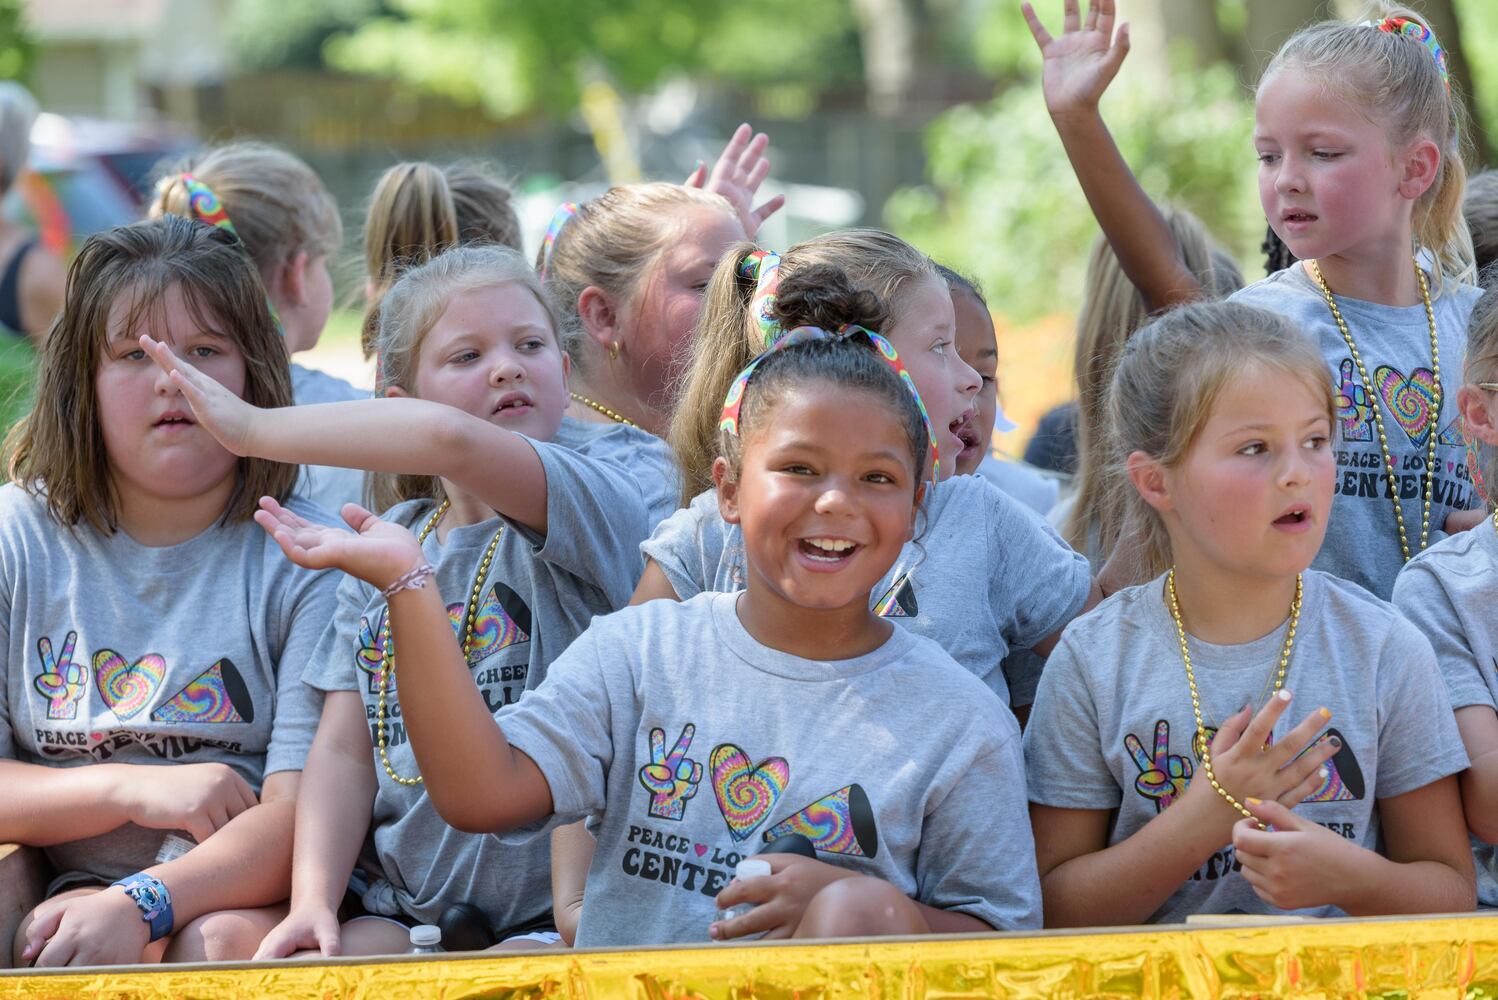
pixel 822 295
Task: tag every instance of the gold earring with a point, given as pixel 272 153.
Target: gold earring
pixel 613 350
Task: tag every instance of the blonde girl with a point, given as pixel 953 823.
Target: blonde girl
pixel 155 722
pixel 417 211
pixel 1359 138
pixel 473 380
pixel 1168 773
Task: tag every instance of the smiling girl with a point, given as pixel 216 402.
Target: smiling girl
pixel 1161 736
pixel 695 732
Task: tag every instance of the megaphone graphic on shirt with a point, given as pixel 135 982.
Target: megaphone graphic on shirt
pixel 840 823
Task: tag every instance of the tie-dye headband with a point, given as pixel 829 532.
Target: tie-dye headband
pixel 565 211
pixel 734 401
pixel 764 267
pixel 203 206
pixel 1417 32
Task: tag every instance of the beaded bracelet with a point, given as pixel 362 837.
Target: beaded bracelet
pixel 413 579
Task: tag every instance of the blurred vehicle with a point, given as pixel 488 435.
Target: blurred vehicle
pixel 87 175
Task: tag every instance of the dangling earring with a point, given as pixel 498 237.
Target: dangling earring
pixel 613 350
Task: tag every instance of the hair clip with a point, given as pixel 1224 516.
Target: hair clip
pixel 733 403
pixel 764 267
pixel 1418 32
pixel 203 206
pixel 565 211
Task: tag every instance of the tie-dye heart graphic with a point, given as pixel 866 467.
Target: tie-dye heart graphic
pixel 126 687
pixel 1410 399
pixel 746 792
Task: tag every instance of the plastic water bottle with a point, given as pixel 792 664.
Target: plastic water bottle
pixel 172 848
pixel 426 939
pixel 747 869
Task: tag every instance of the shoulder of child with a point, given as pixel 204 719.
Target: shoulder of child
pixel 1465 555
pixel 1343 606
pixel 1289 282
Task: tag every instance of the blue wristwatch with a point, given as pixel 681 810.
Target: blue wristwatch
pixel 152 899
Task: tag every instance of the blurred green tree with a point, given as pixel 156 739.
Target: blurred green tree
pixel 515 56
pixel 1002 201
pixel 16 46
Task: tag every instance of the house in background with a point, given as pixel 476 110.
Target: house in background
pixel 127 60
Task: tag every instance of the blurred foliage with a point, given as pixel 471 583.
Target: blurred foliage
pixel 515 56
pixel 16 47
pixel 1480 41
pixel 271 34
pixel 1003 204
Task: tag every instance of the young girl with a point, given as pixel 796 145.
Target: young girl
pixel 419 210
pixel 1447 592
pixel 476 382
pixel 987 575
pixel 1356 130
pixel 289 225
pixel 153 640
pixel 686 728
pixel 1163 734
pixel 978 346
pixel 627 271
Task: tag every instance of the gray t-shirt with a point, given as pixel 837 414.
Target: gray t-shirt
pixel 539 595
pixel 1112 726
pixel 646 457
pixel 1448 592
pixel 694 745
pixel 1022 481
pixel 124 653
pixel 1362 541
pixel 325 485
pixel 984 575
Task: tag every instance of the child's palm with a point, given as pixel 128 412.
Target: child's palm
pixel 376 552
pixel 1079 65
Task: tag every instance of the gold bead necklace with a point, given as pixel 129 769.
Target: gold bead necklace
pixel 387 658
pixel 1378 420
pixel 1203 746
pixel 591 404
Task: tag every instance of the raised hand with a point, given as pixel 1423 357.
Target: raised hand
pixel 376 551
pixel 304 928
pixel 218 411
pixel 737 175
pixel 1163 776
pixel 198 798
pixel 1078 66
pixel 671 779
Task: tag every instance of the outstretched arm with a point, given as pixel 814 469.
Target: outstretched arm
pixel 452 732
pixel 1078 67
pixel 409 436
